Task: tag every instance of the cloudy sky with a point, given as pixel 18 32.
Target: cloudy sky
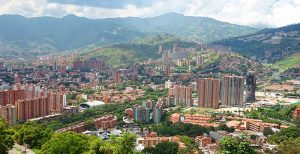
pixel 256 13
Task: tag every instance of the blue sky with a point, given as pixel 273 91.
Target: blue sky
pixel 255 13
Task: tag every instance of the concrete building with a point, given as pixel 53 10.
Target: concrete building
pixel 153 141
pixel 208 93
pixel 198 119
pixel 97 64
pixel 117 76
pixel 9 113
pixel 148 104
pixel 199 60
pixel 141 114
pixel 106 122
pixel 251 87
pixel 182 95
pixel 157 112
pixel 232 90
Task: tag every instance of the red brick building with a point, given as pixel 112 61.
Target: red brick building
pixel 208 93
pixel 32 108
pixel 202 141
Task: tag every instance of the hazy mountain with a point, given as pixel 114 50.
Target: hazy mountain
pixel 201 29
pixel 47 34
pixel 268 44
pixel 64 33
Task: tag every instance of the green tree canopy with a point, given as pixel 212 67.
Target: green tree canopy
pixel 268 131
pixel 6 136
pixel 290 146
pixel 166 148
pixel 32 134
pixel 235 145
pixel 284 134
pixel 68 143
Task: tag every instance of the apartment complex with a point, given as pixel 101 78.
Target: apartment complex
pixel 232 90
pixel 97 64
pixel 182 95
pixel 198 119
pixel 117 76
pixel 9 113
pixel 141 113
pixel 25 102
pixel 208 93
pixel 104 122
pixel 32 108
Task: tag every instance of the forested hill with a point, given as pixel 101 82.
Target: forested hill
pixel 269 44
pixel 40 35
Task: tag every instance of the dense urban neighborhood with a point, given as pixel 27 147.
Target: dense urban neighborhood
pixel 168 84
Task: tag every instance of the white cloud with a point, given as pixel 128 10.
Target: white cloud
pixel 259 13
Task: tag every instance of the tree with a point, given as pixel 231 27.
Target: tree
pixel 268 131
pixel 189 143
pixel 6 137
pixel 235 145
pixel 290 146
pixel 67 143
pixel 284 134
pixel 148 150
pixel 166 148
pixel 127 142
pixel 253 137
pixel 90 125
pixel 32 134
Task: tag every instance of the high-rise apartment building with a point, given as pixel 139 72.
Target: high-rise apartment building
pixel 208 93
pixel 9 113
pixel 182 95
pixel 141 114
pixel 117 76
pixel 97 64
pixel 32 108
pixel 157 113
pixel 148 104
pixel 251 86
pixel 199 60
pixel 232 90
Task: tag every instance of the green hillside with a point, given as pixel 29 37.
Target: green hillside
pixel 42 35
pixel 270 44
pixel 289 62
pixel 137 50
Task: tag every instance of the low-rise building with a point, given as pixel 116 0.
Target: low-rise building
pixel 202 141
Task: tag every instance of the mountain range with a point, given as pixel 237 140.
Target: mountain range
pixel 39 35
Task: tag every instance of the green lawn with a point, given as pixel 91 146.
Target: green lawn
pixel 288 62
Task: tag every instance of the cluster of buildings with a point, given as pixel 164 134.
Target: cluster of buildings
pixel 226 92
pixel 214 92
pixel 151 140
pixel 26 102
pixel 150 111
pixel 105 122
pixel 95 64
pixel 182 95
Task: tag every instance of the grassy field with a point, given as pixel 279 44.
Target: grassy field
pixel 196 110
pixel 292 61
